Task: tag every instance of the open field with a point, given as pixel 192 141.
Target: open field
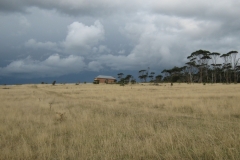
pixel 89 121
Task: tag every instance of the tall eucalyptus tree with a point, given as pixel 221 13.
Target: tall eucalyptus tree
pixel 143 74
pixel 226 66
pixel 214 56
pixel 151 76
pixel 120 76
pixel 128 78
pixel 191 68
pixel 205 60
pixel 234 62
pixel 158 78
pixel 200 57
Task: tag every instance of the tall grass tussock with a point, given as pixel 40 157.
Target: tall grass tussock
pixel 103 121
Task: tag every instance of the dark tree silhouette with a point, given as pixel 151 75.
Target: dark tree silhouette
pixel 133 80
pixel 174 74
pixel 53 83
pixel 143 74
pixel 127 79
pixel 120 77
pixel 151 76
pixel 198 69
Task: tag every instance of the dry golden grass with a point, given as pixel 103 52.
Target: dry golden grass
pixel 89 121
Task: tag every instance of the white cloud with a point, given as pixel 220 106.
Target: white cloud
pixel 82 38
pixel 32 43
pixel 51 67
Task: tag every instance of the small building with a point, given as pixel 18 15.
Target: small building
pixel 105 79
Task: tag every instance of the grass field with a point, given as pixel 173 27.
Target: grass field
pixel 89 121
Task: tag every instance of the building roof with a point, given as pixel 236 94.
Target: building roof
pixel 105 77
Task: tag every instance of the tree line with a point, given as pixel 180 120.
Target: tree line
pixel 202 67
pixel 143 75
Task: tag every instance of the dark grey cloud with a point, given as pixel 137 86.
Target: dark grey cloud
pixel 12 6
pixel 72 7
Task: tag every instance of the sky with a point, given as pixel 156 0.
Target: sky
pixel 77 40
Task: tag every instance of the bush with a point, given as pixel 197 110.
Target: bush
pixel 133 81
pixel 53 83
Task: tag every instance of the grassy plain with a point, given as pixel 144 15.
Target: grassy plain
pixel 89 121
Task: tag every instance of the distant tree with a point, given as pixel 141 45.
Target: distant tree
pixel 53 83
pixel 191 68
pixel 133 81
pixel 214 56
pixel 151 76
pixel 127 79
pixel 185 74
pixel 198 69
pixel 120 77
pixel 234 62
pixel 237 72
pixel 219 71
pixel 143 74
pixel 176 74
pixel 167 75
pixel 158 78
pixel 201 58
pixel 226 66
pixel 205 60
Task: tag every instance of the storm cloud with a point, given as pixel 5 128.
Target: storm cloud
pixel 57 37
